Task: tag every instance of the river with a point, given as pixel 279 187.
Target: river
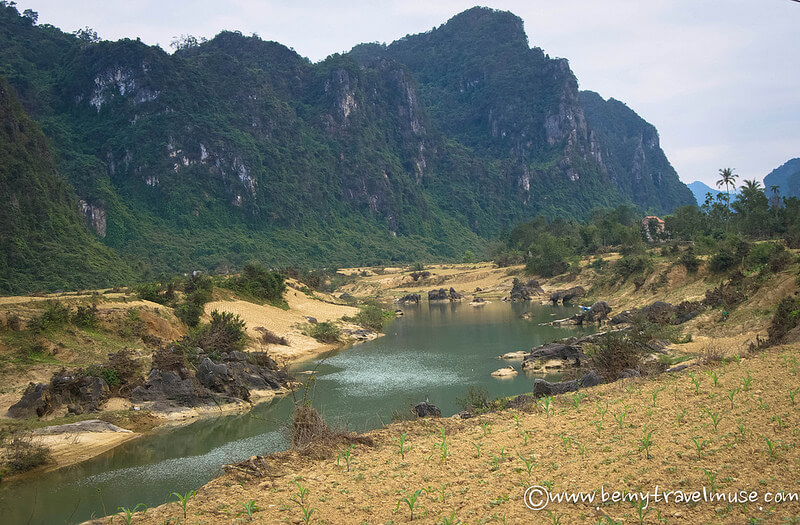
pixel 434 352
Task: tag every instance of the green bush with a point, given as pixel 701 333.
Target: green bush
pixel 225 333
pixel 259 283
pixel 189 313
pixel 372 317
pixel 634 264
pixel 55 316
pixel 85 316
pixel 325 332
pixel 722 261
pixel 689 260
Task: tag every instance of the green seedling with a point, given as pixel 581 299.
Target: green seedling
pixel 680 417
pixel 601 411
pixel 696 381
pixel 576 400
pixel 777 419
pixel 699 445
pixel 300 499
pixel 715 418
pixel 646 442
pixel 620 418
pixel 714 377
pixel 346 455
pixel 546 403
pixel 128 513
pixel 712 478
pixel 525 435
pixel 773 452
pixel 655 393
pixel 250 508
pixel 793 393
pixel 401 445
pixel 184 500
pixel 486 427
pixel 449 521
pixel 747 381
pixel 641 510
pixel 599 426
pixel 555 519
pixel 411 501
pixel 741 428
pixel 442 445
pixel 761 404
pixel 477 449
pixel 529 463
pixel 516 420
pixel 566 441
pixel 731 394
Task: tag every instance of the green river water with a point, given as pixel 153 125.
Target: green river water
pixel 434 352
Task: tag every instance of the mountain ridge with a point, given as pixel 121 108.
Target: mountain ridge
pixel 238 149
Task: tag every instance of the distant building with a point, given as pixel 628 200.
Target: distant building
pixel 657 225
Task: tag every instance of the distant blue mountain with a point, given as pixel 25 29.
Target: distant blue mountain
pixel 699 191
pixel 787 177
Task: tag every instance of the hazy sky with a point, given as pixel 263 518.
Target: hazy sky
pixel 720 79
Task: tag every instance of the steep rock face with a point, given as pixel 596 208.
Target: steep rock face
pixel 786 177
pixel 631 154
pixel 415 150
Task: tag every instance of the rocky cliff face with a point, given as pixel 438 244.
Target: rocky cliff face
pixel 422 148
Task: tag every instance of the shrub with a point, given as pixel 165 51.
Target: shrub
pixel 189 313
pixel 225 333
pixel 476 401
pixel 613 353
pixel 780 260
pixel 22 454
pixel 371 317
pixel 722 261
pixel 55 316
pixel 760 254
pixel 689 260
pixel 786 318
pixel 635 264
pixel 85 316
pixel 259 283
pixel 325 332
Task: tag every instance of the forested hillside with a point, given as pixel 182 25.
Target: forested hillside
pixel 239 149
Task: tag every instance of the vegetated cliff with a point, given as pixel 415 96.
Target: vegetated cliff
pixel 237 148
pixel 786 177
pixel 43 241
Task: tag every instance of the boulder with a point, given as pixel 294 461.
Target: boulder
pixel 80 393
pixel 546 388
pixel 412 298
pixel 426 409
pixel 598 312
pixel 565 296
pixel 524 292
pixel 454 295
pixel 514 355
pixel 438 295
pixel 553 356
pixel 508 371
pixel 180 387
pixel 311 320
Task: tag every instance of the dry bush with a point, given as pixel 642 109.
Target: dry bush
pixel 268 337
pixel 711 352
pixel 613 353
pixel 312 436
pixel 22 454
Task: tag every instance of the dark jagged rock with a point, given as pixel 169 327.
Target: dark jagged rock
pixel 426 409
pixel 545 388
pixel 444 295
pixel 219 379
pixel 662 313
pixel 565 296
pixel 165 386
pixel 554 356
pixel 630 373
pixel 80 393
pixel 524 292
pixel 438 295
pixel 412 298
pixel 598 312
pixel 346 297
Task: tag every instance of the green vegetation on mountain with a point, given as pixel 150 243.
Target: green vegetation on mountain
pixel 238 149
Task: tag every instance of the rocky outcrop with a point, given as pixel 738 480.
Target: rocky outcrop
pixel 508 371
pixel 661 313
pixel 596 314
pixel 543 388
pixel 426 409
pixel 79 392
pixel 233 377
pixel 565 296
pixel 553 356
pixel 444 295
pixel 525 292
pixel 412 298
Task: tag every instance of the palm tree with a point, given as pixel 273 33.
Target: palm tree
pixel 727 179
pixel 776 196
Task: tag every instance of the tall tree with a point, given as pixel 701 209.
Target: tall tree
pixel 727 179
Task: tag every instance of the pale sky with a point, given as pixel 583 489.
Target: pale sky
pixel 720 79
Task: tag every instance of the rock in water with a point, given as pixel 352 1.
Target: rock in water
pixel 505 372
pixel 426 409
